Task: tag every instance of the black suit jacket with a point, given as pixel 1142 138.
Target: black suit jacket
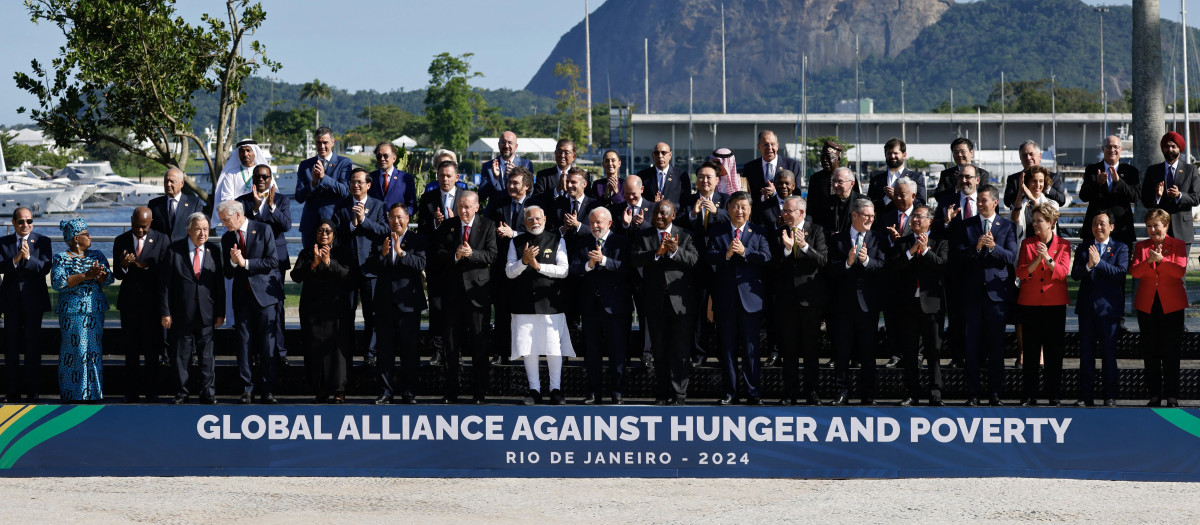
pixel 757 180
pixel 264 287
pixel 859 287
pixel 544 184
pixel 678 184
pixel 365 237
pixel 768 213
pixel 819 189
pixel 427 207
pixel 466 281
pixel 562 207
pixel 800 274
pixel 647 210
pixel 399 278
pixel 1055 192
pixel 666 278
pixel 684 218
pixel 1181 212
pixel 829 217
pixel 888 216
pixel 139 283
pixel 160 220
pixel 878 182
pixel 1119 201
pixel 926 269
pixel 24 285
pixel 606 287
pixel 948 179
pixel 279 220
pixel 187 299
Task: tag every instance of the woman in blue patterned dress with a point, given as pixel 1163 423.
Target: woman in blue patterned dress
pixel 78 275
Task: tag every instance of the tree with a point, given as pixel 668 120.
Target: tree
pixel 572 108
pixel 133 66
pixel 316 91
pixel 448 100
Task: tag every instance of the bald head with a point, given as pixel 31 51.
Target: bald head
pixel 139 222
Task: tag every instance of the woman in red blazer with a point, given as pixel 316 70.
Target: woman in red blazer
pixel 1043 265
pixel 1159 264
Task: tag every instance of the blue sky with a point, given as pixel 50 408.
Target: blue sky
pixel 509 42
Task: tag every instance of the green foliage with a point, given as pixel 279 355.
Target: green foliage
pixel 448 101
pixel 816 144
pixel 134 66
pixel 286 128
pixel 572 105
pixel 17 154
pixel 316 91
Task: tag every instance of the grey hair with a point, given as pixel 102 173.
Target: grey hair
pixel 601 210
pixel 447 152
pixel 906 182
pixel 841 169
pixel 198 216
pixel 861 204
pixel 229 207
pixel 800 202
pixel 1029 143
pixel 533 207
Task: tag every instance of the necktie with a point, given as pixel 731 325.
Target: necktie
pixel 769 172
pixel 137 251
pixel 987 225
pixel 196 261
pixel 1170 176
pixel 600 243
pixel 705 213
pixel 737 234
pixel 662 180
pixel 970 211
pixel 447 202
pixel 171 210
pixel 575 208
pixel 385 176
pixel 901 223
pixel 795 249
pixel 241 241
pixel 1112 173
pixel 858 243
pixel 466 233
pixel 662 236
pixel 516 217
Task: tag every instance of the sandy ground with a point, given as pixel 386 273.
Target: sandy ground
pixel 580 501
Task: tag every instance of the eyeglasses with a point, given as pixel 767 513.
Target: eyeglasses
pixel 382 155
pixel 83 234
pixel 359 182
pixel 324 231
pixel 19 222
pixel 262 177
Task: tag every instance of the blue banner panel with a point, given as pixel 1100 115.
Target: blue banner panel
pixel 627 441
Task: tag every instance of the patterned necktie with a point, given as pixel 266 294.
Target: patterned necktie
pixel 385 177
pixel 737 234
pixel 600 243
pixel 795 249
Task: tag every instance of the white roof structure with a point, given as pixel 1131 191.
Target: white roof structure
pixel 30 137
pixel 405 142
pixel 490 147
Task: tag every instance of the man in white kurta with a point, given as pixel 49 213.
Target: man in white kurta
pixel 237 177
pixel 537 263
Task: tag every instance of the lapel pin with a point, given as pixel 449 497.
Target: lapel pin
pixel 252 232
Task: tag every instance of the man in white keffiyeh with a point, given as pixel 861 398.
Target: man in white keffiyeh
pixel 237 177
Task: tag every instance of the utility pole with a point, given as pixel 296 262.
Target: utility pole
pixel 723 108
pixel 1148 120
pixel 587 46
pixel 857 117
pixel 1103 91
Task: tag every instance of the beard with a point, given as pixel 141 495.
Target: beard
pixel 537 230
pixel 894 164
pixel 1170 156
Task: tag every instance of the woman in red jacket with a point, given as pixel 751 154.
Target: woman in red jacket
pixel 1043 265
pixel 1159 264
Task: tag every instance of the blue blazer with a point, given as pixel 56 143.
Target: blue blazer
pixel 400 280
pixel 265 289
pixel 1101 289
pixel 606 287
pixel 24 286
pixel 492 184
pixel 188 300
pixel 678 184
pixel 160 220
pixel 279 220
pixel 990 268
pixel 401 188
pixel 320 200
pixel 738 281
pixel 360 239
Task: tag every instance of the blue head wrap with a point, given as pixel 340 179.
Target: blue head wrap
pixel 72 228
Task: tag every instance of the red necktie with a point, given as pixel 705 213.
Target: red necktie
pixel 385 182
pixel 196 262
pixel 970 211
pixel 241 241
pixel 663 236
pixel 737 234
pixel 466 233
pixel 902 219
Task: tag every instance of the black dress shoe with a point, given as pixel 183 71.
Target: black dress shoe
pixel 787 402
pixel 615 399
pixel 591 399
pixel 814 401
pixel 479 399
pixel 449 400
pixel 937 402
pixel 995 401
pixel 647 359
pixel 33 398
pixel 1154 402
pixel 1028 402
pixel 839 401
pixel 12 399
pixel 194 361
pixel 867 402
pixel 1172 402
pixel 246 399
pixel 437 358
pixel 892 363
pixel 754 401
pixel 369 360
pixel 953 364
pixel 973 402
pixel 1085 403
pixel 725 401
pixel 179 400
pixel 697 361
pixel 269 399
pixel 680 400
pixel 662 402
pixel 906 402
pixel 338 399
pixel 557 397
pixel 207 400
pixel 772 360
pixel 162 360
pixel 1110 402
pixel 1054 402
pixel 532 397
pixel 282 361
pixel 830 364
pixel 152 399
pixel 383 399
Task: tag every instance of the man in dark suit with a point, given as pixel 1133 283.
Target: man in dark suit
pixel 666 255
pixel 570 212
pixel 856 261
pixel 508 214
pixel 603 266
pixel 738 253
pixel 918 261
pixel 24 263
pixel 798 258
pixel 170 211
pixel 399 300
pixel 962 150
pixel 820 185
pixel 1110 185
pixel 834 218
pixel 138 257
pixel 466 248
pixel 701 211
pixel 433 208
pixel 392 185
pixel 249 258
pixel 1173 186
pixel 361 224
pixel 320 183
pixel 769 213
pixel 266 205
pixel 880 188
pixel 892 222
pixel 192 304
pixel 607 190
pixel 494 173
pixel 664 181
pixel 551 183
pixel 761 173
pixel 630 218
pixel 1100 266
pixel 953 207
pixel 985 248
pixel 1031 155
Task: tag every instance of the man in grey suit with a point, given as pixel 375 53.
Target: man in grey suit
pixel 1174 187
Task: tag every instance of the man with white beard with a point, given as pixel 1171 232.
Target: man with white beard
pixel 536 260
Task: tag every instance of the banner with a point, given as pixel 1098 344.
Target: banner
pixel 625 441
